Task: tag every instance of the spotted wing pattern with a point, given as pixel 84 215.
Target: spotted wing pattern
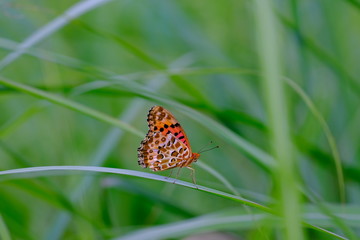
pixel 160 119
pixel 165 145
pixel 160 152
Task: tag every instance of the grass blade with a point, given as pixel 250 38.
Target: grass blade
pixel 280 141
pixel 56 170
pixel 70 104
pixel 75 11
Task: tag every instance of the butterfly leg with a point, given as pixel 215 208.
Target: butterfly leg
pixel 193 176
pixel 171 172
pixel 177 174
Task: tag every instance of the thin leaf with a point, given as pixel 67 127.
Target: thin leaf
pixel 41 171
pixel 71 105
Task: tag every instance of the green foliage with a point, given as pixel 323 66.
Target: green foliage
pixel 77 80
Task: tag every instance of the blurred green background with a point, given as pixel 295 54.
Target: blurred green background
pixel 83 64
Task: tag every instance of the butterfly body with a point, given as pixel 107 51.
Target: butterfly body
pixel 166 145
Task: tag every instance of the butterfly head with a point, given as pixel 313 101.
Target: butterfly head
pixel 195 157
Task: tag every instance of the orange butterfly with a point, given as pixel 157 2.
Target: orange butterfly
pixel 166 145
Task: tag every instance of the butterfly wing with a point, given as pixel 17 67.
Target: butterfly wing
pixel 166 144
pixel 163 121
pixel 160 152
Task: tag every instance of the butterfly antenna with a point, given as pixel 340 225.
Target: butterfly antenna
pixel 201 149
pixel 209 149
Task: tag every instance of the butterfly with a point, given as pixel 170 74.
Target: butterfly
pixel 166 145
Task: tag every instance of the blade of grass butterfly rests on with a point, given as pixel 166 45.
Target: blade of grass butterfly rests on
pixel 59 170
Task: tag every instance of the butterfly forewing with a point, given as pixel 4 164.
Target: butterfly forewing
pixel 160 119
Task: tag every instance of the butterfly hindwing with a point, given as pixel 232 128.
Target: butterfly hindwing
pixel 159 152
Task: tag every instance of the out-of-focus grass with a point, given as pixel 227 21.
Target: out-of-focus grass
pixel 285 176
pixel 104 60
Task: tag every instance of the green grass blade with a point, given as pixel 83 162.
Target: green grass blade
pixel 70 104
pixel 280 140
pixel 222 221
pixel 219 176
pixel 9 174
pixel 4 232
pixel 210 222
pixel 75 11
pixel 17 121
pixel 56 170
pixel 327 131
pixel 332 63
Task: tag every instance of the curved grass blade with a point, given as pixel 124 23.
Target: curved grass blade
pixel 221 221
pixel 71 105
pixel 210 222
pixel 148 195
pixel 219 176
pixel 17 121
pixel 328 134
pixel 75 11
pixel 46 171
pixel 4 232
pixel 330 214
